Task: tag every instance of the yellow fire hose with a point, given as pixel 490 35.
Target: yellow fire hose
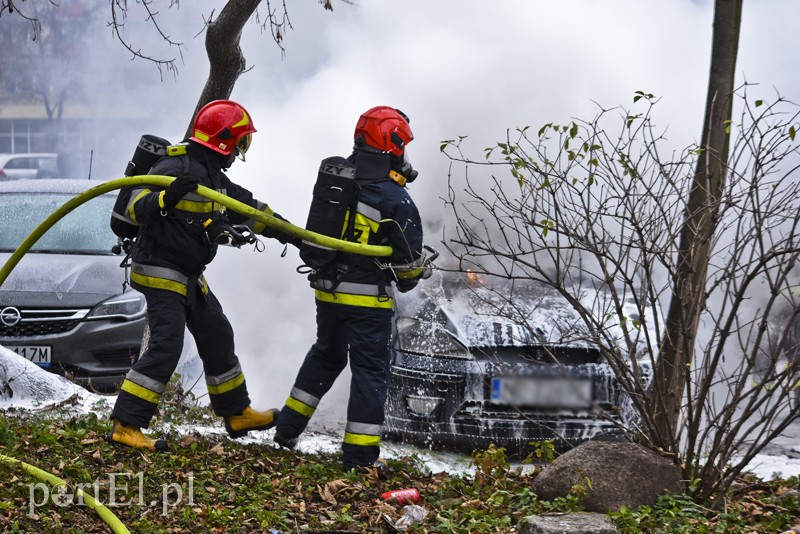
pixel 105 514
pixel 164 181
pixel 160 181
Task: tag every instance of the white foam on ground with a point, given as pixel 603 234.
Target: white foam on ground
pixel 25 386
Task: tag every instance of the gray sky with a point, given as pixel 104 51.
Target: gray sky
pixel 456 67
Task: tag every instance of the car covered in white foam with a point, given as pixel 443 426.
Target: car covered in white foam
pixel 473 366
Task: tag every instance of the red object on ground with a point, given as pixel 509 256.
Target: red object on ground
pixel 403 496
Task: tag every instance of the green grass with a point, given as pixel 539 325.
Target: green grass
pixel 237 487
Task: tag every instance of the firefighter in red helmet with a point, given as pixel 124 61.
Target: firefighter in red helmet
pixel 179 235
pixel 354 294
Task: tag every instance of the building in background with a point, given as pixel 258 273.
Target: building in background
pixel 61 93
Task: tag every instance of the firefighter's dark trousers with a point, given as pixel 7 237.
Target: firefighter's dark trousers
pixel 167 314
pixel 364 334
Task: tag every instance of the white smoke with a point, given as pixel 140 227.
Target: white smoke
pixel 456 68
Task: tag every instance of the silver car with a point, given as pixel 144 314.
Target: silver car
pixel 66 306
pixel 23 166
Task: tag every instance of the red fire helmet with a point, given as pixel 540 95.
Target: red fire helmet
pixel 385 129
pixel 221 125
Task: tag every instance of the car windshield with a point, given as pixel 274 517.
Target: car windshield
pixel 85 230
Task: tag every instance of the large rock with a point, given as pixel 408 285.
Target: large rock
pixel 621 473
pixel 576 523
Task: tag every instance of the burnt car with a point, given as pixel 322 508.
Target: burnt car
pixel 474 366
pixel 65 306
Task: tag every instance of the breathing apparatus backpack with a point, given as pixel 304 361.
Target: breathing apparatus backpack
pixel 149 150
pixel 335 193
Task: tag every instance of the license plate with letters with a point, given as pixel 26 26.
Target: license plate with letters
pixel 542 392
pixel 38 354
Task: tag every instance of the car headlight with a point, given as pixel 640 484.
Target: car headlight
pixel 430 339
pixel 423 406
pixel 130 305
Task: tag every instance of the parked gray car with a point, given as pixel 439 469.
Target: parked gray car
pixel 65 306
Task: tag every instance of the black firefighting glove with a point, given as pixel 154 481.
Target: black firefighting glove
pixel 185 183
pixel 295 242
pixel 404 285
pixel 280 236
pixel 225 233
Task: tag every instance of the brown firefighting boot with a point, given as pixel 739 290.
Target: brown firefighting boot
pixel 132 436
pixel 250 419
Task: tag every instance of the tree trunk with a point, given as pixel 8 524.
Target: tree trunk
pixel 673 368
pixel 226 61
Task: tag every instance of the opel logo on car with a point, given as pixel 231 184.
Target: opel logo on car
pixel 10 316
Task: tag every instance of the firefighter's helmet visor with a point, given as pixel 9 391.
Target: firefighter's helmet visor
pixel 243 144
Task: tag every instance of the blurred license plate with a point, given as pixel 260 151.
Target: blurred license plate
pixel 40 354
pixel 542 392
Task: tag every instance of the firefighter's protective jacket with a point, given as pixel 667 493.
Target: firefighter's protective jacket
pixel 385 215
pixel 354 314
pixel 172 249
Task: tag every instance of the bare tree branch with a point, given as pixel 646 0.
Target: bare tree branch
pixel 119 15
pixel 598 216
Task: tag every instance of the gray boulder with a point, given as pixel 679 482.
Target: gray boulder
pixel 583 523
pixel 621 473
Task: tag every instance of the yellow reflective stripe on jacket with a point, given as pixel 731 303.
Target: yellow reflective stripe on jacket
pixel 203 285
pixel 353 294
pixel 159 283
pixel 410 270
pixel 353 288
pixel 348 299
pixel 412 273
pixel 370 214
pixel 193 206
pixel 136 196
pixel 364 227
pixel 140 391
pixel 191 202
pixel 368 220
pixel 159 278
pixel 258 226
pixel 300 407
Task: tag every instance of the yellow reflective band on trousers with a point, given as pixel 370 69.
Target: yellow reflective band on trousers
pixel 300 407
pixel 347 299
pixel 228 385
pixel 140 391
pixel 363 440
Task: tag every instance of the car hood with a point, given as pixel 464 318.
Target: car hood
pixel 62 280
pixel 479 317
pixel 523 316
